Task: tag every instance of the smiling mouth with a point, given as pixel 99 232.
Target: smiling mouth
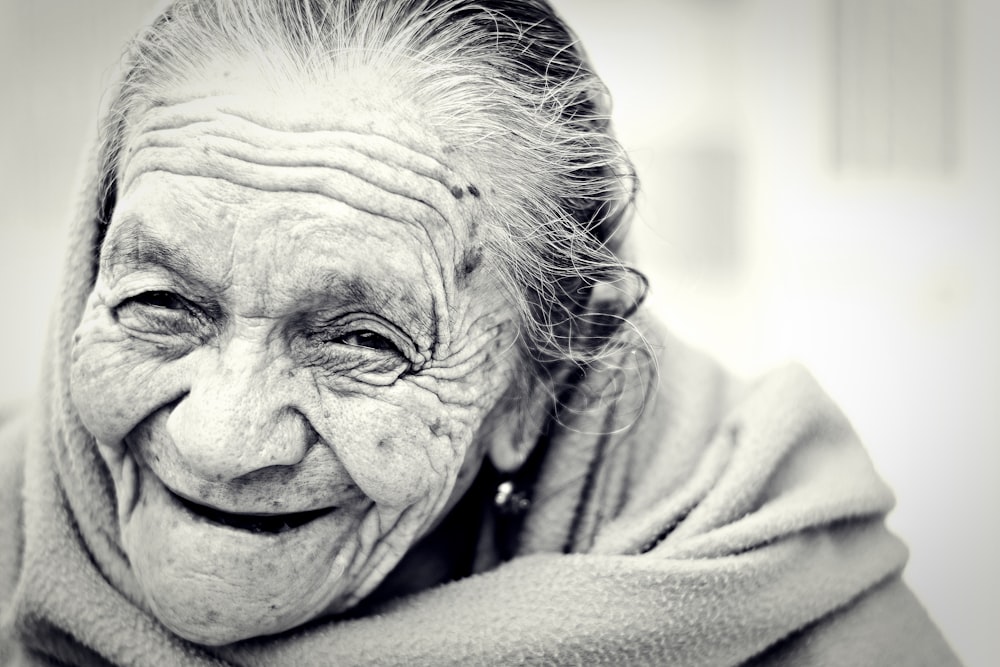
pixel 254 523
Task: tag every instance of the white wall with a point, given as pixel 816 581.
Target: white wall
pixel 56 58
pixel 888 287
pixel 886 284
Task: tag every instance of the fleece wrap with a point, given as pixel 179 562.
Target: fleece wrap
pixel 679 518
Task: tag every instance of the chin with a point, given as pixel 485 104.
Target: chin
pixel 217 578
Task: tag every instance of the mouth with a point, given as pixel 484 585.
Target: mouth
pixel 254 523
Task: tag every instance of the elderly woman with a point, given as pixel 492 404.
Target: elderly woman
pixel 348 370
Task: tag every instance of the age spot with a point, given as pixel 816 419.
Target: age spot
pixel 437 427
pixel 470 262
pixel 474 191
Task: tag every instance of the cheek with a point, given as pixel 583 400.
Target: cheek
pixel 403 449
pixel 400 456
pixel 113 383
pixel 428 436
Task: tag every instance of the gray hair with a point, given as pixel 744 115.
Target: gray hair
pixel 506 76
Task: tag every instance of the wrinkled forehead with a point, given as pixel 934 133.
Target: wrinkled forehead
pixel 352 143
pixel 355 144
pixel 331 178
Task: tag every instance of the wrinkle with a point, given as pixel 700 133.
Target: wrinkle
pixel 338 185
pixel 392 178
pixel 400 138
pixel 345 135
pixel 370 143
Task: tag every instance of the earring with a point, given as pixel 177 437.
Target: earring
pixel 510 500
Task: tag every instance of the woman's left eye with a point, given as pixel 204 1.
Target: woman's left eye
pixel 370 340
pixel 360 343
pixel 162 299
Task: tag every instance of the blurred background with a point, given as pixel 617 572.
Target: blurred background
pixel 820 182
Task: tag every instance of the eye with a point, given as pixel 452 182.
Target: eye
pixel 161 312
pixel 360 345
pixel 161 299
pixel 368 339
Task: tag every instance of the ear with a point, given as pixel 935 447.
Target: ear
pixel 509 448
pixel 517 432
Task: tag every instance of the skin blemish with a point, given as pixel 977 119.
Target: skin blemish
pixel 358 291
pixel 474 191
pixel 457 192
pixel 470 262
pixel 407 299
pixel 473 258
pixel 437 427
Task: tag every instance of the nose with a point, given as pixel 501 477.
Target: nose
pixel 239 416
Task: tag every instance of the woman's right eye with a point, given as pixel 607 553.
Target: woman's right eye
pixel 161 312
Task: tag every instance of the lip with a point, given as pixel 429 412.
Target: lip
pixel 288 535
pixel 253 522
pixel 274 524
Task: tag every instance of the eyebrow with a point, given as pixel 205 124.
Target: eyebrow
pixel 354 288
pixel 397 303
pixel 136 247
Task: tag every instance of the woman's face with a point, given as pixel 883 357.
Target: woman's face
pixel 290 357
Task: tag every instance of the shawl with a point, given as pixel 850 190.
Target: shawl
pixel 726 525
pixel 678 517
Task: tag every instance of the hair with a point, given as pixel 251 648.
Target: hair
pixel 506 77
